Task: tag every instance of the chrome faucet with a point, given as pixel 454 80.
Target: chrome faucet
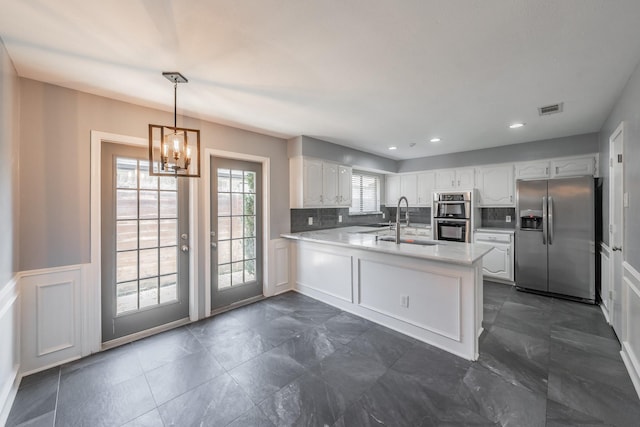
pixel 398 217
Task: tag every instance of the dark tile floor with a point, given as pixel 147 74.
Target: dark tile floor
pixel 291 360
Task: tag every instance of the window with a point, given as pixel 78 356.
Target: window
pixel 365 193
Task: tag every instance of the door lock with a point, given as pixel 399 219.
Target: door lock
pixel 214 245
pixel 184 248
pixel 184 236
pixel 617 248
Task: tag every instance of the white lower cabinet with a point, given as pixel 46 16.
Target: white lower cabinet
pixel 499 263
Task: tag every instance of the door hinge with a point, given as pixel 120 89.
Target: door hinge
pixel 619 158
pixel 610 162
pixel 113 325
pixel 611 294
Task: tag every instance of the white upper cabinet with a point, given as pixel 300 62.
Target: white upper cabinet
pixel 409 188
pixel 496 186
pixel 344 185
pixel 323 184
pixel 532 170
pixel 426 184
pixel 453 179
pixel 392 189
pixel 577 166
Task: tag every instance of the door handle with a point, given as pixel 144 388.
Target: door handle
pixel 550 220
pixel 184 248
pixel 617 248
pixel 214 245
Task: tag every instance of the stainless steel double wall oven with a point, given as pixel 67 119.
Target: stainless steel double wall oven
pixel 452 216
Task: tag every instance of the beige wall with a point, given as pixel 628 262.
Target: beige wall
pixel 9 136
pixel 55 166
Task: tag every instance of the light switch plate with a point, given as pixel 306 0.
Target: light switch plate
pixel 310 220
pixel 383 215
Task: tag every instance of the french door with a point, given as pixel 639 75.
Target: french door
pixel 145 259
pixel 236 230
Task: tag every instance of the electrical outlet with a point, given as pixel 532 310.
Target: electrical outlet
pixel 507 218
pixel 404 301
pixel 383 215
pixel 310 220
pixel 339 218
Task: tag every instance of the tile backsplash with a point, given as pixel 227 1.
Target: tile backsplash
pixel 496 217
pixel 328 217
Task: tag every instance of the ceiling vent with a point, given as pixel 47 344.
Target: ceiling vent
pixel 551 109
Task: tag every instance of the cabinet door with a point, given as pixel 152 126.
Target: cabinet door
pixel 392 189
pixel 532 170
pixel 344 185
pixel 329 184
pixel 409 188
pixel 495 185
pixel 497 262
pixel 572 167
pixel 465 178
pixel 426 184
pixel 445 179
pixel 312 182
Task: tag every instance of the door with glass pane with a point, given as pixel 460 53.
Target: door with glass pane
pixel 236 227
pixel 145 259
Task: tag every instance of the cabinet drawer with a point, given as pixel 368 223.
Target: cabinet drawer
pixel 493 238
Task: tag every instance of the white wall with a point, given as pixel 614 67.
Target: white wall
pixel 9 296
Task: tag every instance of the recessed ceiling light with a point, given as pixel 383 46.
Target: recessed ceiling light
pixel 516 125
pixel 393 147
pixel 434 140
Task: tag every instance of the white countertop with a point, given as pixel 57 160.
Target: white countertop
pixel 496 230
pixel 363 238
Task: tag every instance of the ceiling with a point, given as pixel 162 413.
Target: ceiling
pixel 367 74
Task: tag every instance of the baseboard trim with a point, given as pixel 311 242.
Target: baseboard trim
pixel 633 374
pixel 9 396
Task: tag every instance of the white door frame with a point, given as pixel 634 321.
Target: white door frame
pixel 616 212
pixel 92 300
pixel 266 220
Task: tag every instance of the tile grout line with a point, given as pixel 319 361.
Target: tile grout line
pixel 55 407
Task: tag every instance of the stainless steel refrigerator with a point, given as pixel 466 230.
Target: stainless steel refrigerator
pixel 555 237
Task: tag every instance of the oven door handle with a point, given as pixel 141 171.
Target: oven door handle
pixel 442 220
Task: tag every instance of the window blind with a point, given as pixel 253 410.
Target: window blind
pixel 365 193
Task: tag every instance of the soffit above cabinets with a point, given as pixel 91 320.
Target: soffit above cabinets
pixel 361 74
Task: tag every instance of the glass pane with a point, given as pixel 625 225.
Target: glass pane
pixel 126 173
pixel 168 183
pixel 237 270
pixel 237 179
pixel 249 248
pixel 168 204
pixel 224 181
pixel 168 288
pixel 148 204
pixel 126 235
pixel 249 204
pixel 224 276
pixel 148 292
pixel 249 271
pixel 168 260
pixel 126 266
pixel 126 297
pixel 126 204
pixel 148 234
pixel 224 204
pixel 149 262
pixel 249 182
pixel 147 181
pixel 224 251
pixel 249 226
pixel 236 250
pixel 224 228
pixel 168 232
pixel 236 204
pixel 236 227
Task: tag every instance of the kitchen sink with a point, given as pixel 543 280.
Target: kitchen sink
pixel 411 241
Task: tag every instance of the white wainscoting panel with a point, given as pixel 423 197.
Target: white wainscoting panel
pixel 9 346
pixel 605 280
pixel 278 281
pixel 324 268
pixel 433 299
pixel 51 317
pixel 631 323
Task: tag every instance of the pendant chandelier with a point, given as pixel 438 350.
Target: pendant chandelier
pixel 174 151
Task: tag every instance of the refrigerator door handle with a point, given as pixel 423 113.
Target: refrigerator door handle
pixel 550 215
pixel 544 220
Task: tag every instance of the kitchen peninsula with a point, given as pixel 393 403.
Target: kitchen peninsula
pixel 430 290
